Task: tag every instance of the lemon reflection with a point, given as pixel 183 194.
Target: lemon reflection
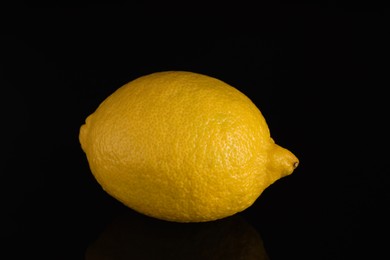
pixel 134 236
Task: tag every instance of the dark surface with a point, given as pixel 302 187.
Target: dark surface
pixel 318 74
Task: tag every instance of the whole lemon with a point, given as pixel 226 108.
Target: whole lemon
pixel 182 146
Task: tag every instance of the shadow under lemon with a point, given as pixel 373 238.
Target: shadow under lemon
pixel 134 236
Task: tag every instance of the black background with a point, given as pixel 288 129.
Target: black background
pixel 318 74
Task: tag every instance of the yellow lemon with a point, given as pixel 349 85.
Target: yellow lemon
pixel 182 146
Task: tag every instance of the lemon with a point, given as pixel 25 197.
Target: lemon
pixel 182 146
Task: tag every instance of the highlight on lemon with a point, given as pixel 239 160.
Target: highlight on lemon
pixel 182 146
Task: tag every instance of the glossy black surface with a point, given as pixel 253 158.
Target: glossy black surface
pixel 318 74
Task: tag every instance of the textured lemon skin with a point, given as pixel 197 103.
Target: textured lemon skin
pixel 182 146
